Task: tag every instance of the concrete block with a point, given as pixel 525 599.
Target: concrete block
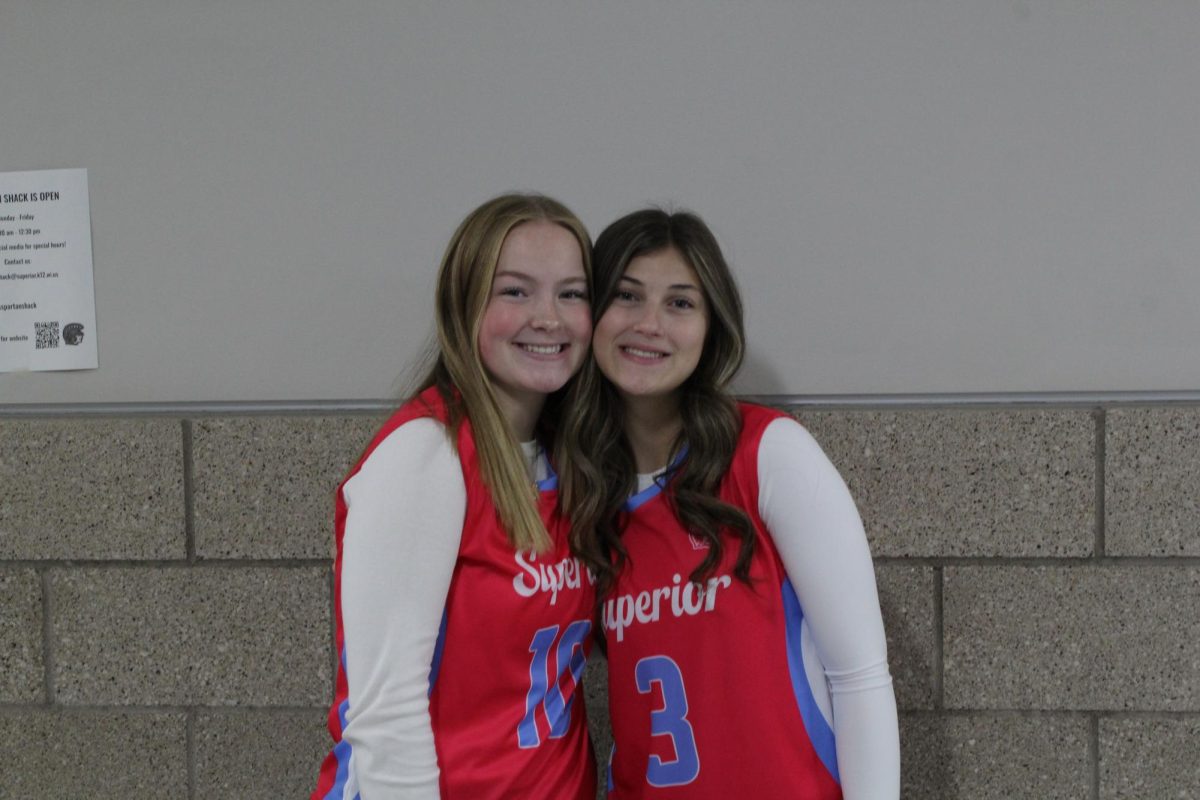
pixel 21 670
pixel 195 636
pixel 932 483
pixel 259 754
pixel 263 487
pixel 100 755
pixel 981 756
pixel 1151 475
pixel 91 489
pixel 906 599
pixel 1084 637
pixel 1149 758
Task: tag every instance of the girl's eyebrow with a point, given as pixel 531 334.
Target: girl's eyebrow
pixel 512 273
pixel 688 287
pixel 515 273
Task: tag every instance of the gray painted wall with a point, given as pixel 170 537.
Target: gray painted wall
pixel 917 196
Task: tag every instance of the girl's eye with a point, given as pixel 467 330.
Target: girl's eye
pixel 511 291
pixel 682 303
pixel 574 294
pixel 624 296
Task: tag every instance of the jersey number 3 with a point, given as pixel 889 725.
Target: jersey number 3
pixel 545 692
pixel 670 720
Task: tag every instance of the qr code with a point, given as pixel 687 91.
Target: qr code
pixel 47 335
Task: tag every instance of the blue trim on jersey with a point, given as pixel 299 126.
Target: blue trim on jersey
pixel 644 496
pixel 819 732
pixel 341 750
pixel 611 753
pixel 550 482
pixel 655 489
pixel 436 666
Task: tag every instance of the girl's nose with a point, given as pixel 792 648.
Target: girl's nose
pixel 545 315
pixel 649 324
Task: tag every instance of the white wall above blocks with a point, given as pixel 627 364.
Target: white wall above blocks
pixel 933 197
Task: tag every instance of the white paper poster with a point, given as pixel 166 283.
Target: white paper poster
pixel 47 299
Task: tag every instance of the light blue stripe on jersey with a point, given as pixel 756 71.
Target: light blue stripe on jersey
pixel 644 496
pixel 437 653
pixel 654 489
pixel 819 732
pixel 550 482
pixel 611 753
pixel 341 752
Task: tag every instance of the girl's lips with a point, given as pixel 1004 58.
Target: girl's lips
pixel 541 349
pixel 641 353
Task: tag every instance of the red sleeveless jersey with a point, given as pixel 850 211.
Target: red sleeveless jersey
pixel 708 691
pixel 506 699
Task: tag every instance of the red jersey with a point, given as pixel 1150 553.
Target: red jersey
pixel 709 690
pixel 505 696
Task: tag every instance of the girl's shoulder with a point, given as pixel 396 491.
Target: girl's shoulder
pixel 427 405
pixel 415 432
pixel 756 418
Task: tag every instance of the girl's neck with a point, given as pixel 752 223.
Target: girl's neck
pixel 521 414
pixel 652 426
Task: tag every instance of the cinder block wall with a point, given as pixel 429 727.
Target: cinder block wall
pixel 165 606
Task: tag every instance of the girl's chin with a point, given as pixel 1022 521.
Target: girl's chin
pixel 646 394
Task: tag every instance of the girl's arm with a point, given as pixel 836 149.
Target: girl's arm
pixel 819 535
pixel 405 512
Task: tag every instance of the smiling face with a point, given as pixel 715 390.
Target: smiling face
pixel 535 329
pixel 651 337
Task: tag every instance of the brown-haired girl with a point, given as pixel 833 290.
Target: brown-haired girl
pixel 746 651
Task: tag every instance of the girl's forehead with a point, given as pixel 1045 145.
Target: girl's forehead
pixel 665 268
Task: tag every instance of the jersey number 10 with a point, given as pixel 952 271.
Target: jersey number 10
pixel 548 693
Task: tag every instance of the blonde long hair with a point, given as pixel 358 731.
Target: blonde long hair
pixel 463 288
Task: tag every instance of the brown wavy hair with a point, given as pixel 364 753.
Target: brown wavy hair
pixel 600 474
